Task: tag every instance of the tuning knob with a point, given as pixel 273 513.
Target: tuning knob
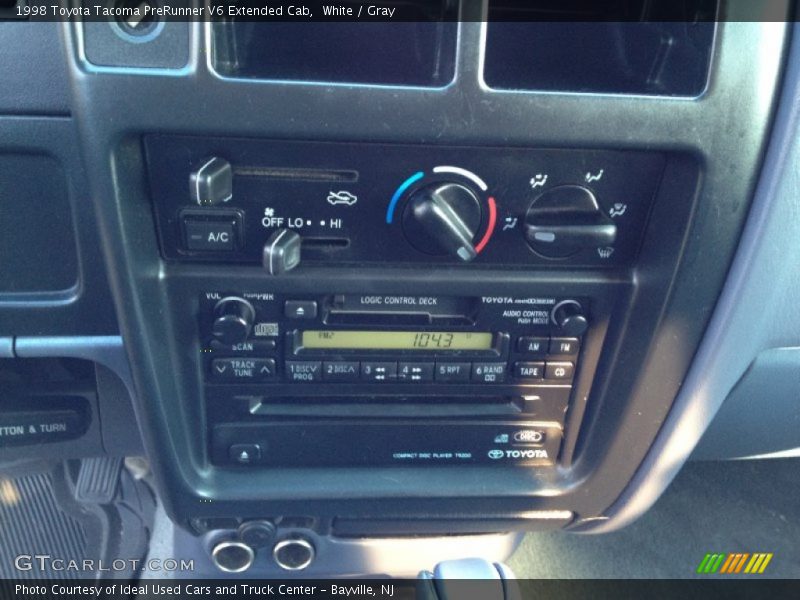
pixel 569 317
pixel 233 320
pixel 443 219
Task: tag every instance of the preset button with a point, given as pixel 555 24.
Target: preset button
pixel 489 372
pixel 303 370
pixel 378 371
pixel 453 372
pixel 341 370
pixel 415 371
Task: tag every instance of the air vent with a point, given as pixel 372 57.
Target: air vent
pixel 645 47
pixel 418 51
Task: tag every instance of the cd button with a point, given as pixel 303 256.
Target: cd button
pixel 565 346
pixel 452 372
pixel 529 370
pixel 378 371
pixel 559 370
pixel 533 345
pixel 415 371
pixel 341 370
pixel 303 370
pixel 489 372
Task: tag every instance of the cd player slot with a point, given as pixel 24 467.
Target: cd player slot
pixel 350 406
pixel 335 317
pixel 436 306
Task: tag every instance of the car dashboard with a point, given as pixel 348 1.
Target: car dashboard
pixel 364 287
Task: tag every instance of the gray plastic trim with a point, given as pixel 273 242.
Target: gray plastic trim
pixel 156 300
pixel 106 350
pixel 338 557
pixel 756 311
pixel 761 415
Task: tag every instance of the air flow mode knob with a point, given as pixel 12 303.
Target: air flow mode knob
pixel 565 220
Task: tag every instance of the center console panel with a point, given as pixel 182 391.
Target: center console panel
pixel 359 375
pixel 449 304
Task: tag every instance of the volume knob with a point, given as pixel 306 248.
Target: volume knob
pixel 233 320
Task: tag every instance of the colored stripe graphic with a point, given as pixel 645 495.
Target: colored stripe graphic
pixel 734 562
pixel 701 568
pixel 710 563
pixel 730 561
pixel 399 192
pixel 741 562
pixel 758 563
pixel 489 228
pixel 764 564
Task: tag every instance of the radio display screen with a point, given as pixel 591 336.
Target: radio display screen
pixel 396 340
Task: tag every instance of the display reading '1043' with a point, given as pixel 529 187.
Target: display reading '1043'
pixel 396 340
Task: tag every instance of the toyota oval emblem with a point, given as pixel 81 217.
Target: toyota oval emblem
pixel 495 454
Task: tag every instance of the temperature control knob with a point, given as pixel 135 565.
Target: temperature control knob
pixel 568 315
pixel 443 218
pixel 233 320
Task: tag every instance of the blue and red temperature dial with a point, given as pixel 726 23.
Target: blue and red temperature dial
pixel 444 215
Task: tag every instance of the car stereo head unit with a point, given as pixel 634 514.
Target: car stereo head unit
pixel 362 339
pixel 297 374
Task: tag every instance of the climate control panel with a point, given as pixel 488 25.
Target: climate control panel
pixel 284 203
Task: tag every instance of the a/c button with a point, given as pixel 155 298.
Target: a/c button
pixel 210 234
